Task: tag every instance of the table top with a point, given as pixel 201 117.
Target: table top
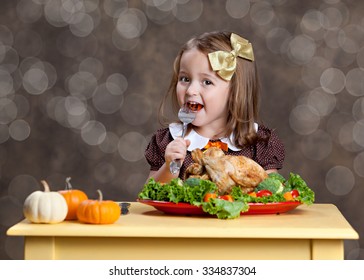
pixel 317 221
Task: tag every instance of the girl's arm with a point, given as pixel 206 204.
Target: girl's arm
pixel 175 150
pixel 163 175
pixel 271 171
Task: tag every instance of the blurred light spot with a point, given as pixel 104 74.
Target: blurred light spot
pixel 331 1
pixel 332 18
pixel 27 63
pixel 237 8
pixel 277 40
pixel 159 16
pixel 6 83
pixel 358 109
pixel 53 13
pixel 4 133
pixel 332 80
pixel 29 11
pixel 114 8
pixel 311 72
pixel 83 27
pixel 57 108
pixel 82 84
pixel 93 66
pixel 43 66
pixel 358 132
pixel 78 121
pixel 21 186
pixel 131 146
pixel 110 144
pixel 188 11
pixel 93 133
pixel 311 21
pixel 351 38
pixel 6 37
pixel 323 102
pixel 340 180
pixel 72 11
pixel 262 13
pixel 19 130
pixel 131 23
pixel 304 119
pixel 9 204
pixel 359 164
pixel 116 83
pixel 104 172
pixel 91 5
pixel 75 106
pixel 163 5
pixel 137 109
pixel 123 43
pixel 51 106
pixel 346 137
pixel 301 49
pixel 311 25
pixel 316 146
pixel 9 59
pixel 105 101
pixel 355 82
pixel 35 81
pixel 8 111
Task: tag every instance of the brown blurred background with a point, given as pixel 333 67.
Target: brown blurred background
pixel 81 81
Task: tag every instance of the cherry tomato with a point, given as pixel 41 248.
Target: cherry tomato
pixel 262 193
pixel 227 197
pixel 295 193
pixel 288 196
pixel 209 196
pixel 253 194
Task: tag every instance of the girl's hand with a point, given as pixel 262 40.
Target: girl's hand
pixel 177 149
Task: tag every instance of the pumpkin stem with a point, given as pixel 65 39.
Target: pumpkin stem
pixel 68 184
pixel 100 195
pixel 45 185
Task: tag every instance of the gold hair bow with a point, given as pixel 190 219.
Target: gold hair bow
pixel 224 63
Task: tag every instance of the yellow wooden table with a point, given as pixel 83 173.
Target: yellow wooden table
pixel 308 232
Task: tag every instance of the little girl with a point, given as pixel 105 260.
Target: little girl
pixel 215 73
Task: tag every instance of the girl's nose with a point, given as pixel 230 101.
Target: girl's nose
pixel 193 89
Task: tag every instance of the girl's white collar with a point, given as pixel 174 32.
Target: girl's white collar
pixel 198 141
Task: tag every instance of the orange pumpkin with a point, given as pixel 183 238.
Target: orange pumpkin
pixel 98 211
pixel 73 198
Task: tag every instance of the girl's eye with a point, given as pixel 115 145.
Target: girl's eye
pixel 207 82
pixel 184 79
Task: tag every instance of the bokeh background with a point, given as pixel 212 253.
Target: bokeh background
pixel 81 82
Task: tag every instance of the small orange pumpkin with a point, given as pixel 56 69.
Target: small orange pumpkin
pixel 73 198
pixel 98 211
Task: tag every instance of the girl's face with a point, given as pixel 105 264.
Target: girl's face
pixel 198 83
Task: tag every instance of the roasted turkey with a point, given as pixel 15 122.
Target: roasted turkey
pixel 225 171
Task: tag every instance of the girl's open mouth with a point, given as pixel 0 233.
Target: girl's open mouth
pixel 194 106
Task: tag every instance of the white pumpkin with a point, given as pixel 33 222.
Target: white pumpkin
pixel 45 207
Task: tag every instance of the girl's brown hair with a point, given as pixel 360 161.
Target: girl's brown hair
pixel 243 102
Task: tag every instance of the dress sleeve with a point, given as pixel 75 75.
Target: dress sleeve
pixel 154 153
pixel 270 153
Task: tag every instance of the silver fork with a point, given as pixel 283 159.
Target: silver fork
pixel 186 116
